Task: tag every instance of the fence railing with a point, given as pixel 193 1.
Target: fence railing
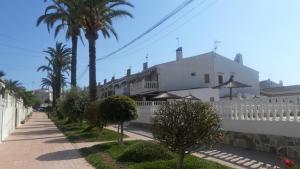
pixel 143 86
pixel 271 116
pixel 276 116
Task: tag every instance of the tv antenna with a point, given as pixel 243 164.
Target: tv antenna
pixel 216 45
pixel 178 42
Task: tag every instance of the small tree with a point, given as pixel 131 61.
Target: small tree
pixel 73 105
pixel 185 126
pixel 119 109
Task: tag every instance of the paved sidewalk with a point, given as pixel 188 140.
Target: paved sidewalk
pixel 39 145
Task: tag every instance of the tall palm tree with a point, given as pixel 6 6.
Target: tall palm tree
pixel 63 14
pixel 58 67
pixel 97 16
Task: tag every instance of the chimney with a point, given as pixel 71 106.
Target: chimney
pixel 179 54
pixel 281 83
pixel 239 58
pixel 145 66
pixel 128 72
pixel 105 81
pixel 113 78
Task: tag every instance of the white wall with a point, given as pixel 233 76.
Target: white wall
pixel 242 74
pixel 12 112
pixel 204 94
pixel 176 75
pixel 260 116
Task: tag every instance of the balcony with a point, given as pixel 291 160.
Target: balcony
pixel 143 87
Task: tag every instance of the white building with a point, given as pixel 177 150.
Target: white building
pixel 203 71
pixel 43 95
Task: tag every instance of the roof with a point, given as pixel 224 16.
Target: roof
pixel 281 91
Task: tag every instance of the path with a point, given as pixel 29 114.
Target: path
pixel 227 155
pixel 38 144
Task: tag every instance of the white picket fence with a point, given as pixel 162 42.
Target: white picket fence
pixel 12 112
pixel 271 116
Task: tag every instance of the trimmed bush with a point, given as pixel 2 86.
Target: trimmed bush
pixel 93 115
pixel 145 151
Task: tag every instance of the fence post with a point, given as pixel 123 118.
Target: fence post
pixel 296 113
pixel 281 112
pixel 288 107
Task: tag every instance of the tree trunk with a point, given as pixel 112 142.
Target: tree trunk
pixel 180 159
pixel 74 61
pixel 53 98
pixel 122 133
pixel 92 67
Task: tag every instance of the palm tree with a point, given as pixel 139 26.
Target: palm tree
pixel 13 85
pixel 63 13
pixel 58 67
pixel 97 16
pixel 2 74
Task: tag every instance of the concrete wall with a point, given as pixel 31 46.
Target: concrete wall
pixel 12 113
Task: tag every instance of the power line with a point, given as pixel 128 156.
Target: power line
pixel 167 17
pixel 174 12
pixel 19 48
pixel 144 46
pixel 166 27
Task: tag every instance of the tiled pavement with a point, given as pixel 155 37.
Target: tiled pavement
pixel 38 144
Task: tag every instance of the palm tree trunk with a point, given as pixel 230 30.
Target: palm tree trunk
pixel 92 67
pixel 74 61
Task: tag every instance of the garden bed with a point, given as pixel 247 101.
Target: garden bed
pixel 140 155
pixel 84 133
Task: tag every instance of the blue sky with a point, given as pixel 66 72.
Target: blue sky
pixel 266 32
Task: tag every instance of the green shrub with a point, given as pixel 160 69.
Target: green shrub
pixel 145 151
pixel 93 115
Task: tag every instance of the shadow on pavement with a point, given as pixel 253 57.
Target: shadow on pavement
pixel 60 156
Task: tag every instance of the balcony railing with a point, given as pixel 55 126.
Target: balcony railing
pixel 143 87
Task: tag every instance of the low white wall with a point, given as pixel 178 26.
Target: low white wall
pixel 276 116
pixel 12 112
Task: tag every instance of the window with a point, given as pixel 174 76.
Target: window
pixel 220 79
pixel 212 99
pixel 193 74
pixel 206 78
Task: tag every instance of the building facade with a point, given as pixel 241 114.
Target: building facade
pixel 203 71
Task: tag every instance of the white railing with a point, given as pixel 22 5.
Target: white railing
pixel 146 110
pixel 143 86
pixel 271 116
pixel 12 112
pixel 277 116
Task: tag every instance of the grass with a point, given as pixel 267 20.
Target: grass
pixel 76 133
pixel 94 155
